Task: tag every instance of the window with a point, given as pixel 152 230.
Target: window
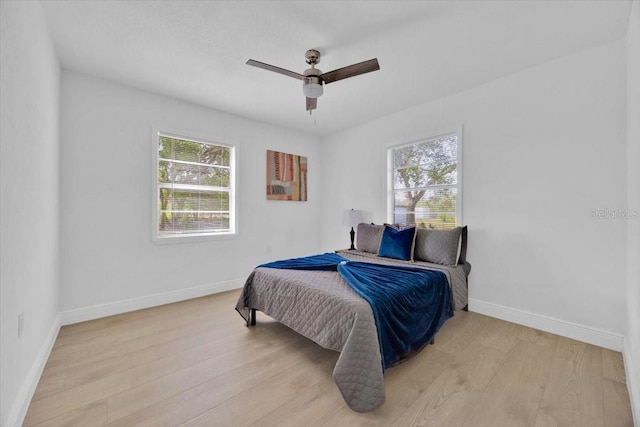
pixel 424 183
pixel 194 194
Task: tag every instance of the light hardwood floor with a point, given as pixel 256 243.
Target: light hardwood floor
pixel 195 363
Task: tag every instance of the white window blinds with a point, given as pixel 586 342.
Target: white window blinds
pixel 194 188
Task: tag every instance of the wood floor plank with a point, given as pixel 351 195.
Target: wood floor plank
pixel 172 314
pixel 128 356
pixel 79 332
pixel 404 383
pixel 443 403
pixel 117 382
pixel 617 407
pixel 196 363
pixel 512 396
pixel 477 365
pixel 307 408
pixel 157 390
pixel 121 339
pixel 499 334
pixel 459 331
pixel 99 345
pixel 235 411
pixel 447 398
pixel 256 376
pixel 613 365
pixel 538 337
pixel 86 349
pixel 92 415
pixel 573 395
pixel 50 384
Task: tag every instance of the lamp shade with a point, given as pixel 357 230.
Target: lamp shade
pixel 351 217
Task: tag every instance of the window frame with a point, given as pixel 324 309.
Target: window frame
pixel 157 132
pixel 389 187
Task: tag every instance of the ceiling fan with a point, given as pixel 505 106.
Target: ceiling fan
pixel 313 79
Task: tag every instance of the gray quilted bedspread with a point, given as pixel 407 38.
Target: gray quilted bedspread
pixel 322 307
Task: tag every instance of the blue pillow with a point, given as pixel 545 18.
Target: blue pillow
pixel 397 244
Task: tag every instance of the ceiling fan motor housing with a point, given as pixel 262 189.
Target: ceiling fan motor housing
pixel 312 56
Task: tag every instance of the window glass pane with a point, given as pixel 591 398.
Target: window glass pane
pixel 432 208
pixel 180 200
pixel 426 163
pixel 194 223
pixel 192 174
pixel 217 177
pixel 192 151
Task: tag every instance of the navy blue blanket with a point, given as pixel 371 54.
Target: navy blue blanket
pixel 409 304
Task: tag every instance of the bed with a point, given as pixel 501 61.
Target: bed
pixel 322 305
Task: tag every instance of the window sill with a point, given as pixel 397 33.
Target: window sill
pixel 191 239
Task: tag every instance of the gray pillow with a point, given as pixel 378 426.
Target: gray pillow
pixel 368 237
pixel 437 246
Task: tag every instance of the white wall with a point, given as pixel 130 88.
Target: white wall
pixel 106 181
pixel 540 149
pixel 632 336
pixel 29 84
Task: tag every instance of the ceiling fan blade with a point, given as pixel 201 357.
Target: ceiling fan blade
pixel 351 70
pixel 312 103
pixel 274 69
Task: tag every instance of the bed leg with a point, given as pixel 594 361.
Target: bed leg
pixel 433 341
pixel 252 317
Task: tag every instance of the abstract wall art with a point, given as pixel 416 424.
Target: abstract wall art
pixel 286 176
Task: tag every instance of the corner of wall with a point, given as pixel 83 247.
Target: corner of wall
pixel 631 351
pixel 30 86
pixel 28 388
pixel 633 381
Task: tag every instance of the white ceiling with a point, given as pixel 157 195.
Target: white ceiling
pixel 196 50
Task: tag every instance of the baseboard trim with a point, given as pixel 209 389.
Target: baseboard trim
pixel 25 394
pixel 633 381
pixel 575 331
pixel 117 307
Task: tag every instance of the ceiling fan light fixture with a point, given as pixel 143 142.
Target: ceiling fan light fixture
pixel 313 90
